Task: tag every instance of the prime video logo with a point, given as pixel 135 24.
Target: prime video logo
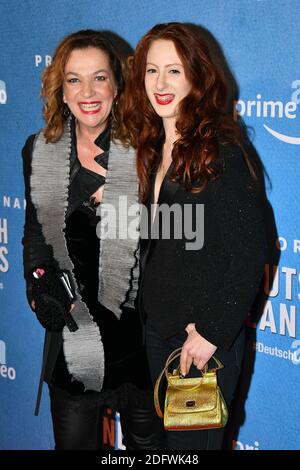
pixel 3 95
pixel 5 371
pixel 260 108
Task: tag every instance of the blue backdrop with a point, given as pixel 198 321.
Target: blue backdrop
pixel 261 43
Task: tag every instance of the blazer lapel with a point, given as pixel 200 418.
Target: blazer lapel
pixel 167 195
pixel 146 224
pixel 168 191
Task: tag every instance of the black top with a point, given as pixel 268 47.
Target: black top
pixel 85 182
pixel 215 286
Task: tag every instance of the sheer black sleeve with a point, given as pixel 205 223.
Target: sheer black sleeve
pixel 35 250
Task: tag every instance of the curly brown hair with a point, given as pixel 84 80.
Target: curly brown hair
pixel 54 110
pixel 203 121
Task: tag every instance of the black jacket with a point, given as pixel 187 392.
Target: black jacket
pixel 213 287
pixel 37 253
pixel 120 337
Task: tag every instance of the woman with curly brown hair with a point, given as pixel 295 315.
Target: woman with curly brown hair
pixel 81 274
pixel 202 261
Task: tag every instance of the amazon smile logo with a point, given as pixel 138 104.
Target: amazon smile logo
pixel 261 108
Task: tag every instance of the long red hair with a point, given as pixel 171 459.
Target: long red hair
pixel 203 122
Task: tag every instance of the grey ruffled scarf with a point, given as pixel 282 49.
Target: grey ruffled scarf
pixel 118 257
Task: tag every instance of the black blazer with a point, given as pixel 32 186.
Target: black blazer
pixel 215 286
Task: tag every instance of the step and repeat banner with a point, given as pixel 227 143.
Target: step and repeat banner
pixel 260 40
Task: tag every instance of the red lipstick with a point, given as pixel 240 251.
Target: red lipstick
pixel 164 98
pixel 89 107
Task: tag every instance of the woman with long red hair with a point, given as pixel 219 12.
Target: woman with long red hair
pixel 202 266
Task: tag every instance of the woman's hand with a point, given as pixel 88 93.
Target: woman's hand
pixel 195 349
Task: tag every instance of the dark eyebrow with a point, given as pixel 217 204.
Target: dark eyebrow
pixel 176 63
pixel 94 73
pixel 168 65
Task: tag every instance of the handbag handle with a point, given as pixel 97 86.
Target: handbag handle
pixel 176 353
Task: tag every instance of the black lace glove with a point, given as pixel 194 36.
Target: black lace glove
pixel 52 299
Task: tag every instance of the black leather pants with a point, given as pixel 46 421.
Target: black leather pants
pixel 77 422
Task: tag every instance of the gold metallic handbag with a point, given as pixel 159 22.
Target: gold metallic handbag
pixel 191 403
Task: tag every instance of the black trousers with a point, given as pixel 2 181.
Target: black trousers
pixel 158 350
pixel 77 422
